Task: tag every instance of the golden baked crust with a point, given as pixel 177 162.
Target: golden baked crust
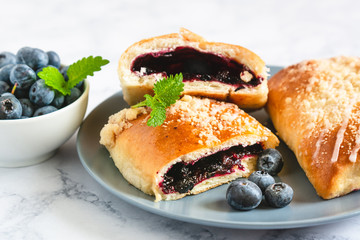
pixel 194 127
pixel 314 106
pixel 135 86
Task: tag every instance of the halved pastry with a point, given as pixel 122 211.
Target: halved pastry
pixel 315 108
pixel 203 143
pixel 216 70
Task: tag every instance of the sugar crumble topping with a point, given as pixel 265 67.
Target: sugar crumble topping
pixel 117 123
pixel 329 98
pixel 209 121
pixel 209 118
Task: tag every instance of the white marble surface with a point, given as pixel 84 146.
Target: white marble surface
pixel 58 199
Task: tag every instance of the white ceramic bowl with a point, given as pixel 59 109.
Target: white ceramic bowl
pixel 25 142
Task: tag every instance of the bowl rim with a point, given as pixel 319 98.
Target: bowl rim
pixel 84 94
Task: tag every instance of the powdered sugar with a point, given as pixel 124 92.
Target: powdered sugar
pixel 341 131
pixel 355 150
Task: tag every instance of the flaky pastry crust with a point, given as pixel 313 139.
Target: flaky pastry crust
pixel 194 127
pixel 314 106
pixel 136 86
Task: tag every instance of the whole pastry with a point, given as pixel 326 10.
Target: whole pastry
pixel 216 70
pixel 203 143
pixel 314 106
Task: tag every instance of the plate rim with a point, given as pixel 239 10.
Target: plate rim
pixel 201 221
pixel 225 224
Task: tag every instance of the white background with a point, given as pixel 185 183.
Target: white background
pixel 58 199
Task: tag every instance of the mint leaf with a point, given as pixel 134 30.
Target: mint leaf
pixel 54 79
pixel 166 92
pixel 157 115
pixel 146 102
pixel 76 72
pixel 79 70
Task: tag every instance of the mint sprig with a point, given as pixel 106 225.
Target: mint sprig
pixel 166 92
pixel 76 72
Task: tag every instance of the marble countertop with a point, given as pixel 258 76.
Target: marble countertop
pixel 58 199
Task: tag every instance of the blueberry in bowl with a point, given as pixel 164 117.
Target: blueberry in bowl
pixel 31 140
pixel 35 117
pixel 10 107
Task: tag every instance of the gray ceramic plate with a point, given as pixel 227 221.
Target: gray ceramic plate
pixel 210 208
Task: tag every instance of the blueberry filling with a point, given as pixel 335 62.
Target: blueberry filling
pixel 196 65
pixel 182 177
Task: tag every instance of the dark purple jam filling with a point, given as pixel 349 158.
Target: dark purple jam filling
pixel 182 177
pixel 195 65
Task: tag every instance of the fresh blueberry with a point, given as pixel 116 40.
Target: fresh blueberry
pixel 270 161
pixel 262 179
pixel 21 93
pixel 27 107
pixel 80 84
pixel 10 107
pixel 39 70
pixel 279 195
pixel 5 73
pixel 40 94
pixel 243 194
pixel 23 54
pixel 75 94
pixel 54 59
pixel 23 75
pixel 63 71
pixel 7 94
pixel 7 58
pixel 4 87
pixel 33 57
pixel 44 110
pixel 59 100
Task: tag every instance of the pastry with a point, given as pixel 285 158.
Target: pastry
pixel 215 70
pixel 203 143
pixel 314 106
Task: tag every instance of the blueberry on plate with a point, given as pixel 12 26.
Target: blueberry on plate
pixel 33 57
pixel 262 179
pixel 40 94
pixel 270 161
pixel 279 195
pixel 243 194
pixel 22 75
pixel 44 110
pixel 7 58
pixel 10 107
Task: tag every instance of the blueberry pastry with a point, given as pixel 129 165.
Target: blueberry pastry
pixel 210 69
pixel 315 108
pixel 203 143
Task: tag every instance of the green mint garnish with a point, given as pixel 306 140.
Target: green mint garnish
pixel 166 92
pixel 76 72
